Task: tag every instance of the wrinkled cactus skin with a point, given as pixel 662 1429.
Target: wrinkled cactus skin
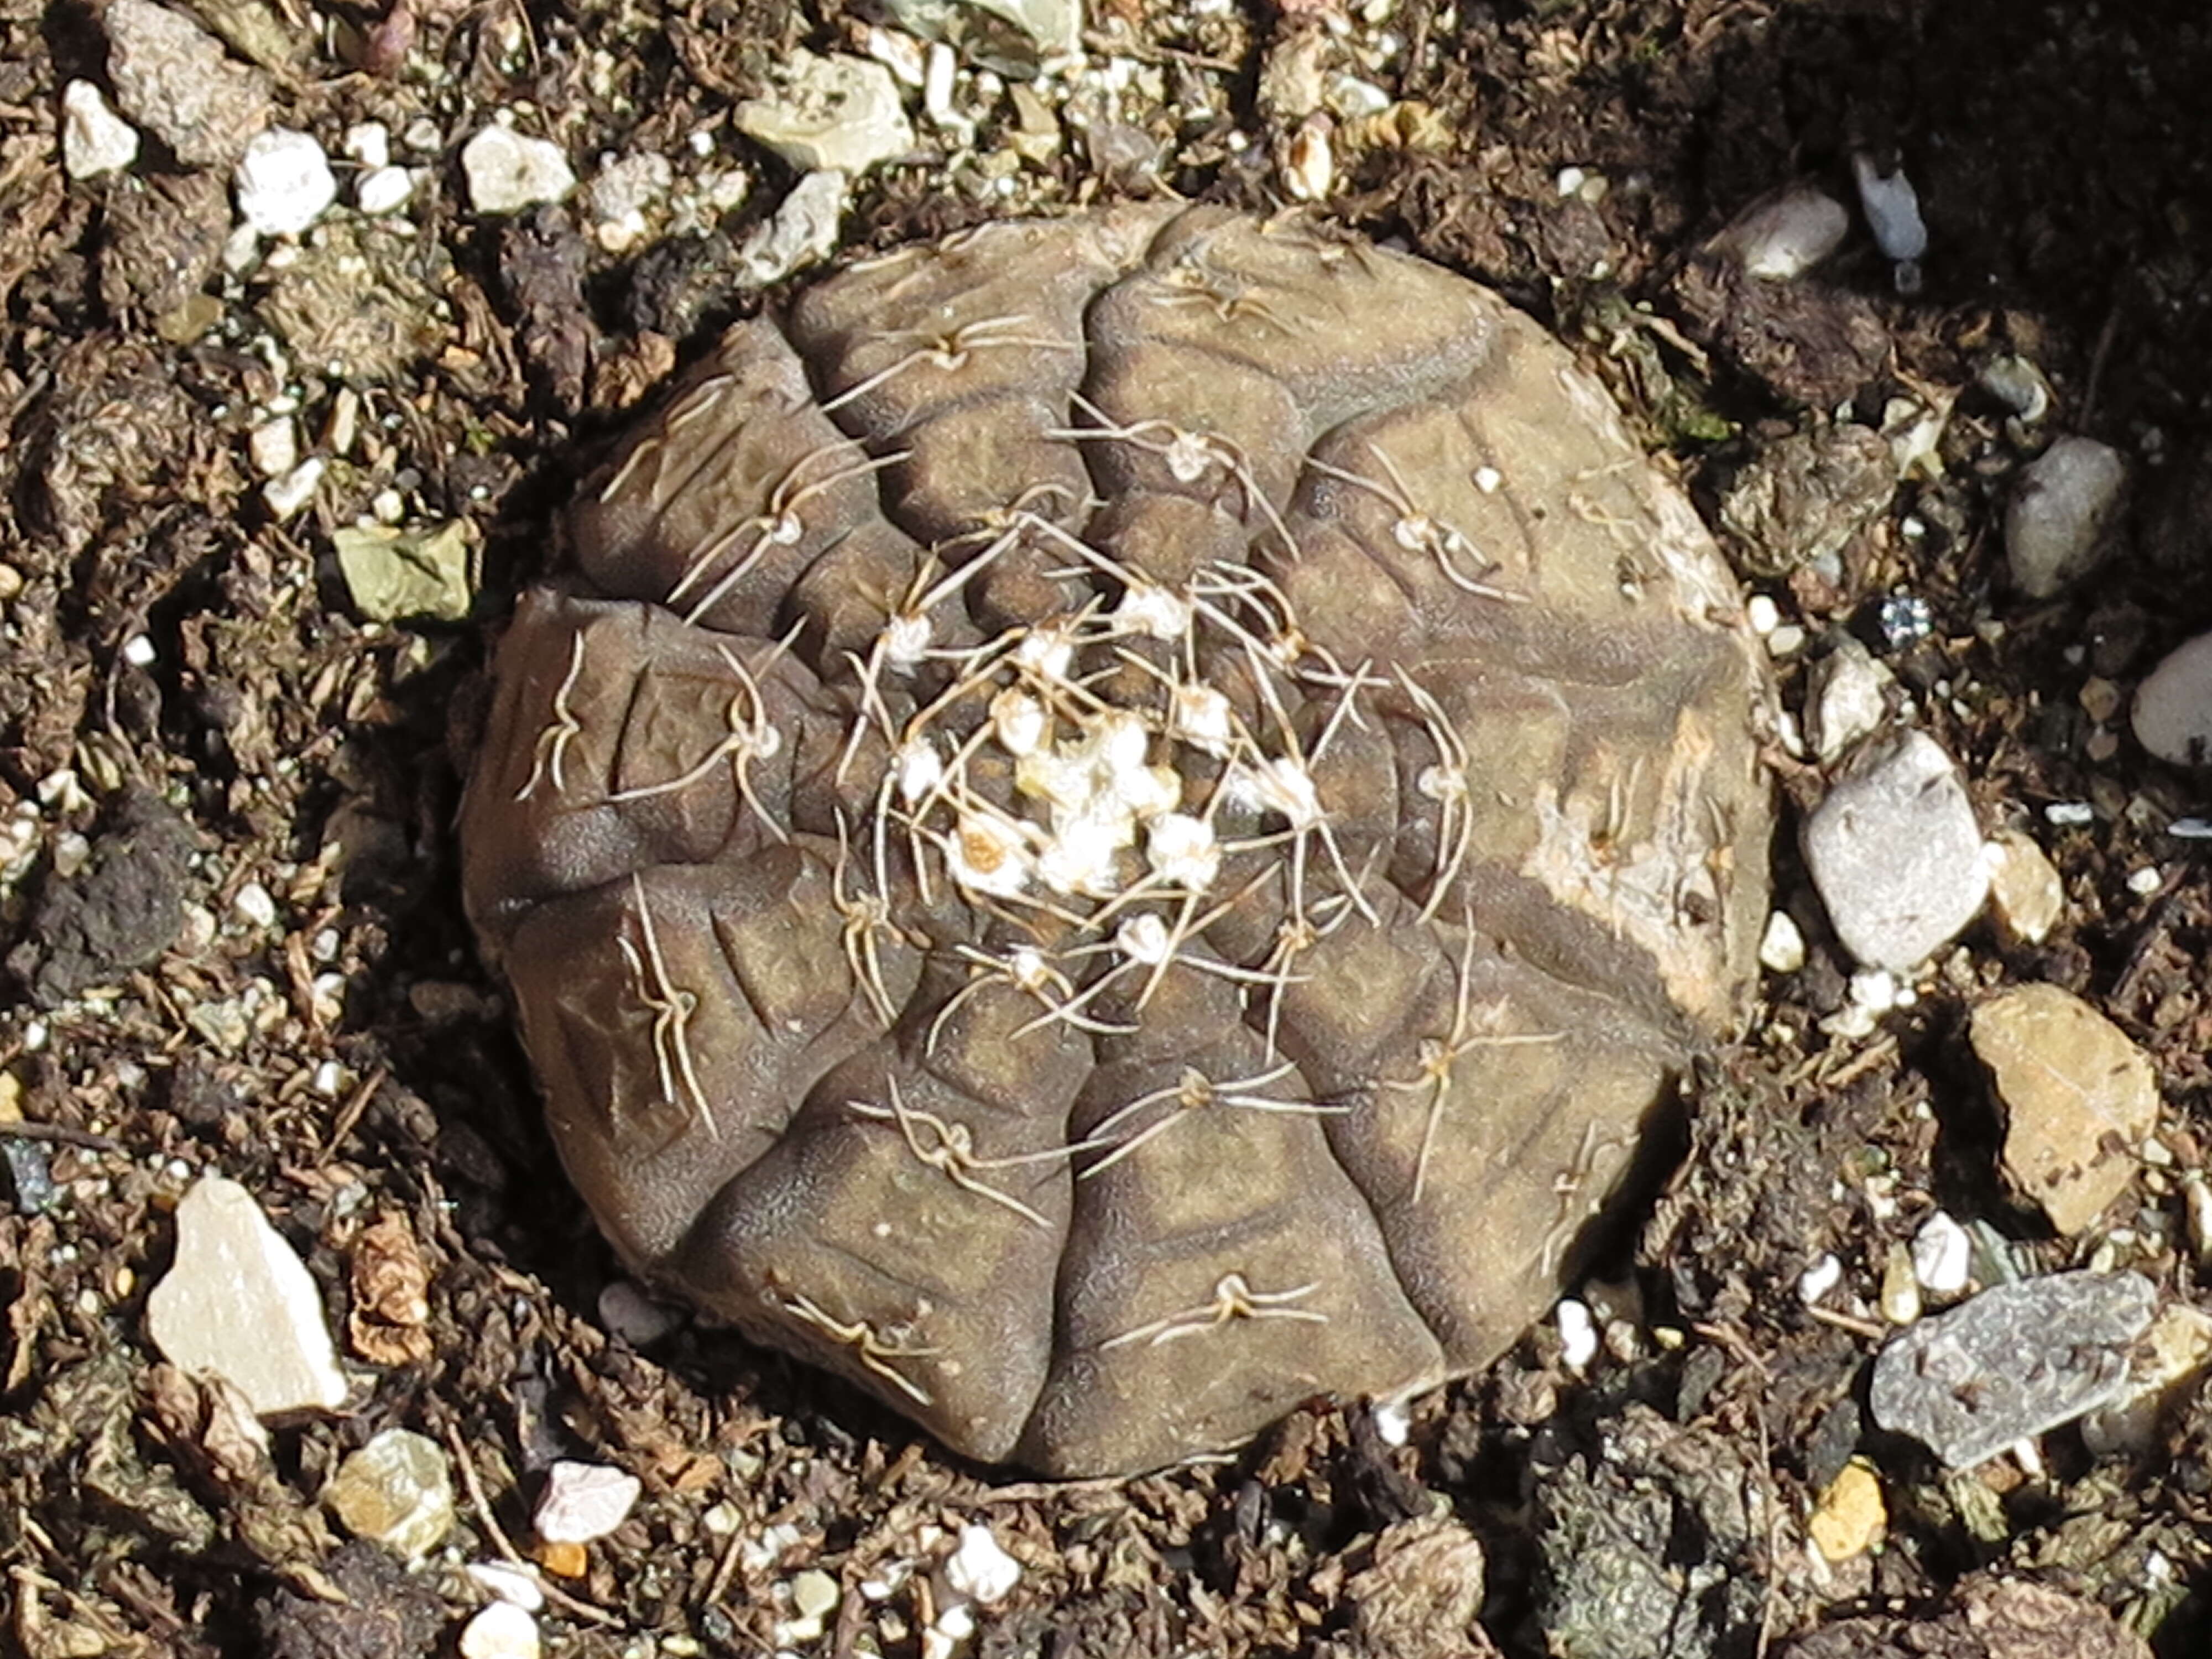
pixel 1120 823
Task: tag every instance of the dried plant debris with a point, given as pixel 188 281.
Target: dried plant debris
pixel 1121 828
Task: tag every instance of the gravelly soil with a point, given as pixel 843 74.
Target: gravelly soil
pixel 233 938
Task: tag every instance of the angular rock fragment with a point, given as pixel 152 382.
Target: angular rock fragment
pixel 2012 1362
pixel 239 1303
pixel 2079 1099
pixel 1121 823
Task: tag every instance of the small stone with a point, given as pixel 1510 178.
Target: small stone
pixel 1942 1252
pixel 1901 1286
pixel 1905 620
pixel 2025 894
pixel 174 79
pixel 1782 947
pixel 630 1314
pixel 830 114
pixel 2173 706
pixel 397 1492
pixel 1843 700
pixel 1892 207
pixel 395 574
pixel 273 447
pixel 979 1570
pixel 95 140
pixel 369 143
pixel 384 190
pixel 2064 504
pixel 286 495
pixel 2079 1098
pixel 562 1559
pixel 1896 855
pixel 508 1583
pixel 2019 385
pixel 239 1303
pixel 284 182
pixel 584 1501
pixel 507 172
pixel 2009 1364
pixel 619 196
pixel 2170 1360
pixel 813 1593
pixel 1013 36
pixel 1780 237
pixel 802 230
pixel 1578 1339
pixel 1817 1281
pixel 502 1631
pixel 1851 1517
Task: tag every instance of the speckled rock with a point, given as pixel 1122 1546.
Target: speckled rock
pixel 1895 853
pixel 1120 823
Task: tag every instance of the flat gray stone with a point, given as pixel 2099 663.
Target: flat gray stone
pixel 2012 1363
pixel 1896 855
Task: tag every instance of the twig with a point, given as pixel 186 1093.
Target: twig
pixel 61 1134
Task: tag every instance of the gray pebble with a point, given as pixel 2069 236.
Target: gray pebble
pixel 2012 1362
pixel 2058 523
pixel 1896 853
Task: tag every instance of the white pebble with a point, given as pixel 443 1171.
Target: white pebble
pixel 1577 1334
pixel 979 1569
pixel 94 138
pixel 286 495
pixel 1394 1421
pixel 1762 613
pixel 237 1301
pixel 506 171
pixel 2072 814
pixel 1782 947
pixel 2144 882
pixel 2173 706
pixel 284 182
pixel 584 1501
pixel 1941 1254
pixel 502 1631
pixel 254 906
pixel 385 190
pixel 138 651
pixel 509 1584
pixel 1817 1281
pixel 273 447
pixel 369 143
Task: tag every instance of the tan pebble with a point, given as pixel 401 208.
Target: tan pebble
pixel 2079 1098
pixel 1851 1515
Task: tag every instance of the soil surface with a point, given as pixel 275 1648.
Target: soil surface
pixel 233 942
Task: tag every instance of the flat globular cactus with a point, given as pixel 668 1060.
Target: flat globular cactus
pixel 1120 823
